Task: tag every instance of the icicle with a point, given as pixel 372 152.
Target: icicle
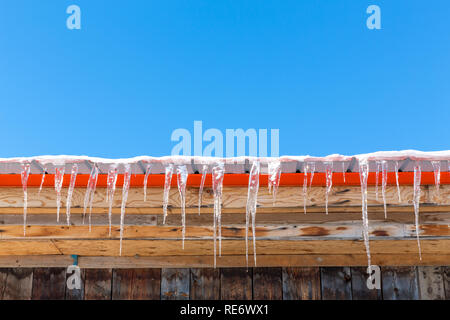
pixel 147 173
pixel 125 188
pixel 111 181
pixel 42 180
pixel 59 177
pixel 384 172
pixel 274 171
pixel 24 175
pixel 377 173
pixel 329 182
pixel 252 197
pixel 396 181
pixel 182 176
pixel 90 191
pixel 363 175
pixel 73 178
pixel 167 182
pixel 312 168
pixel 343 170
pixel 217 185
pixel 417 176
pixel 202 184
pixel 437 174
pixel 305 186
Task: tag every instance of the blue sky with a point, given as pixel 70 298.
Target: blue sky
pixel 137 70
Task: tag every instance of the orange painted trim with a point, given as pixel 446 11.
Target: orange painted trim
pixel 287 179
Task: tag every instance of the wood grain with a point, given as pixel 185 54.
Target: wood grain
pixel 267 284
pixel 175 284
pixel 236 284
pixel 97 284
pixel 301 283
pixel 336 283
pixel 431 283
pixel 205 284
pixel 399 283
pixel 16 283
pixel 136 284
pixel 49 284
pixel 360 291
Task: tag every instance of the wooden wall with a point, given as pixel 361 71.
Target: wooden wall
pixel 290 283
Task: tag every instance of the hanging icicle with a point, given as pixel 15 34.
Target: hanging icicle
pixel 329 181
pixel 182 175
pixel 437 174
pixel 252 198
pixel 363 175
pixel 90 191
pixel 396 181
pixel 343 170
pixel 377 174
pixel 125 188
pixel 44 172
pixel 384 173
pixel 312 169
pixel 274 171
pixel 218 172
pixel 73 178
pixel 24 175
pixel 59 177
pixel 167 182
pixel 305 186
pixel 417 177
pixel 202 184
pixel 147 173
pixel 111 181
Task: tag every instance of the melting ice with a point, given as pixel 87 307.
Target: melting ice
pixel 217 185
pixel 274 171
pixel 24 175
pixel 396 181
pixel 363 175
pixel 90 191
pixel 59 177
pixel 182 175
pixel 125 188
pixel 384 173
pixel 417 177
pixel 42 180
pixel 305 186
pixel 202 184
pixel 73 178
pixel 329 181
pixel 147 173
pixel 167 182
pixel 437 174
pixel 252 198
pixel 111 181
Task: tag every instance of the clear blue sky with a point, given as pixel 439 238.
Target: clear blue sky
pixel 137 70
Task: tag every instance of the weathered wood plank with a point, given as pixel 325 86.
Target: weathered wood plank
pixel 136 284
pixel 233 197
pixel 175 284
pixel 446 276
pixel 16 283
pixel 399 283
pixel 236 284
pixel 97 284
pixel 431 283
pixel 267 284
pixel 49 284
pixel 205 284
pixel 76 294
pixel 301 283
pixel 360 291
pixel 336 283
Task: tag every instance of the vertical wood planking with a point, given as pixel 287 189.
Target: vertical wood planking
pixel 49 284
pixel 205 284
pixel 446 276
pixel 301 283
pixel 336 283
pixel 236 284
pixel 136 284
pixel 76 294
pixel 399 283
pixel 431 283
pixel 175 284
pixel 97 284
pixel 267 284
pixel 360 291
pixel 16 283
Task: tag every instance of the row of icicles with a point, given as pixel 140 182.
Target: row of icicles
pixel 217 171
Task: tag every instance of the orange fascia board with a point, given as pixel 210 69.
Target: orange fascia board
pixel 287 179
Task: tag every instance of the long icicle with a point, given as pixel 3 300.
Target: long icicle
pixel 437 175
pixel 396 181
pixel 44 172
pixel 73 178
pixel 377 174
pixel 274 172
pixel 252 198
pixel 305 186
pixel 417 177
pixel 343 170
pixel 384 173
pixel 217 185
pixel 329 181
pixel 363 176
pixel 110 189
pixel 312 168
pixel 59 177
pixel 147 173
pixel 125 188
pixel 24 175
pixel 202 184
pixel 90 189
pixel 182 175
pixel 167 182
